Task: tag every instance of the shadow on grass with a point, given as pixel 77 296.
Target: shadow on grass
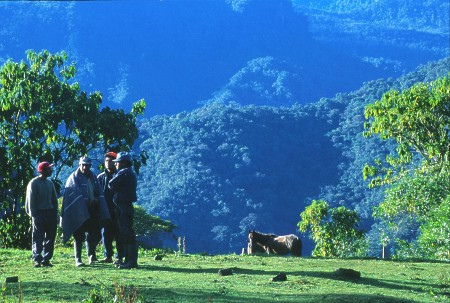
pixel 46 291
pixel 388 284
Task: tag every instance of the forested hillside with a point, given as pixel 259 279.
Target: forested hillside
pixel 389 34
pixel 175 54
pixel 223 169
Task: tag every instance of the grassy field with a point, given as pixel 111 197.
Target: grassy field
pixel 195 278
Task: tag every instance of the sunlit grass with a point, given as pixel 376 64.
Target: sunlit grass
pixel 195 278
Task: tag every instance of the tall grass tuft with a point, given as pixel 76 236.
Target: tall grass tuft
pixel 13 298
pixel 121 294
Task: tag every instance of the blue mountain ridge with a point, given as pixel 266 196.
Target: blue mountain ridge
pixel 179 54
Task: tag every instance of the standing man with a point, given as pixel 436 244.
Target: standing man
pixel 110 231
pixel 42 206
pixel 124 185
pixel 83 209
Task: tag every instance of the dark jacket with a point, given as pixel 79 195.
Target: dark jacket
pixel 104 179
pixel 124 184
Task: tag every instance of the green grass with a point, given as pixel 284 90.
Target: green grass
pixel 195 278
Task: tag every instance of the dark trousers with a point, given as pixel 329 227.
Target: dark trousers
pixel 125 217
pixel 89 232
pixel 43 234
pixel 111 232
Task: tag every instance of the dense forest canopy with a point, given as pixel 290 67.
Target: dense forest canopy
pixel 223 169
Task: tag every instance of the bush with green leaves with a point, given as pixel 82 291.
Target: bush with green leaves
pixel 146 224
pixel 435 233
pixel 333 230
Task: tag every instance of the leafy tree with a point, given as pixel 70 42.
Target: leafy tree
pixel 333 230
pixel 418 119
pixel 352 191
pixel 146 224
pixel 45 116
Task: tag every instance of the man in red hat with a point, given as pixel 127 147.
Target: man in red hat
pixel 41 205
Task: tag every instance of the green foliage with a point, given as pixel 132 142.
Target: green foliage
pixel 334 231
pixel 435 236
pixel 419 174
pixel 146 224
pixel 418 120
pixel 418 195
pixel 15 231
pixel 261 164
pixel 14 226
pixel 351 190
pixel 45 116
pixel 408 250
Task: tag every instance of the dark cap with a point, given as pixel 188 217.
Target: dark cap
pixel 85 160
pixel 123 156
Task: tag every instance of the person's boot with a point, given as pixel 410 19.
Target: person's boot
pixel 90 247
pixel 131 261
pixel 77 247
pixel 120 253
pixel 122 256
pixel 107 260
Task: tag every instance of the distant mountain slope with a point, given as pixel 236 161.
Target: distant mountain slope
pixel 390 34
pixel 177 53
pixel 431 15
pixel 223 169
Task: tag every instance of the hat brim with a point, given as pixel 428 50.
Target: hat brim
pixel 121 160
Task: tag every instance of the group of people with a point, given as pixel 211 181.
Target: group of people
pixel 93 207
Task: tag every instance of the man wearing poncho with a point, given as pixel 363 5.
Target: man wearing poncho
pixel 83 210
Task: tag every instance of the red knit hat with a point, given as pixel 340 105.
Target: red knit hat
pixel 111 155
pixel 43 165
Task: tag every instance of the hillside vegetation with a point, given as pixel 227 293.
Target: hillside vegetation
pixel 224 169
pixel 388 34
